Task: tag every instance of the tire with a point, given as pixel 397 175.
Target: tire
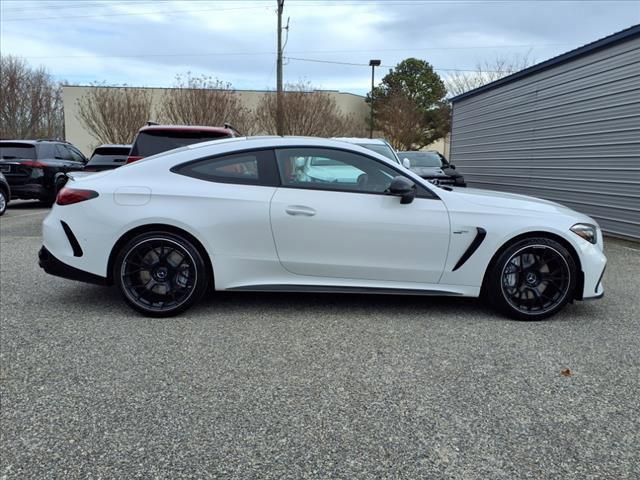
pixel 50 199
pixel 160 274
pixel 532 279
pixel 3 202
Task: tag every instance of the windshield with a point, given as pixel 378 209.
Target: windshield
pixel 9 151
pixel 153 142
pixel 381 149
pixel 425 159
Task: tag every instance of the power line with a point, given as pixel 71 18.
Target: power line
pixel 148 12
pixel 315 60
pixel 74 5
pixel 303 52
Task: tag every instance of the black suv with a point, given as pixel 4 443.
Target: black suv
pixel 433 166
pixel 35 169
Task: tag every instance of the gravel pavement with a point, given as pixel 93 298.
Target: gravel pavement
pixel 311 386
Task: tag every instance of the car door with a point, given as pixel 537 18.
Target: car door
pixel 332 217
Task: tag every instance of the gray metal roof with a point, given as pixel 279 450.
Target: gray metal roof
pixel 628 33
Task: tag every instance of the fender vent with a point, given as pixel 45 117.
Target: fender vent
pixel 481 233
pixel 75 246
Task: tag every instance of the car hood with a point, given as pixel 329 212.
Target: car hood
pixel 514 201
pixel 429 171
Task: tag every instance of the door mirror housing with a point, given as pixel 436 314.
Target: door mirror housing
pixel 406 163
pixel 403 188
pixel 451 165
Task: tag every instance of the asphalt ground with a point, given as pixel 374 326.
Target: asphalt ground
pixel 311 386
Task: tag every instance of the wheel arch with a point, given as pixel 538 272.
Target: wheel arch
pixel 155 227
pixel 537 234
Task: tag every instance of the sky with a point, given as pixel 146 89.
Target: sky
pixel 148 43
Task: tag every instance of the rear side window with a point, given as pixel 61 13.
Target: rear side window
pixel 154 142
pixel 13 151
pixel 109 155
pixel 248 168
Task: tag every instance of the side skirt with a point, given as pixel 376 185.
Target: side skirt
pixel 339 289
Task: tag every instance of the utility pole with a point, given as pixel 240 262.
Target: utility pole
pixel 373 64
pixel 279 122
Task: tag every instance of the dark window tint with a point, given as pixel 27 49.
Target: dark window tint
pixel 326 169
pixel 76 156
pixel 109 155
pixel 11 151
pixel 62 152
pixel 153 142
pixel 250 168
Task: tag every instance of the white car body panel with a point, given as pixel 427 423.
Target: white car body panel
pixel 352 240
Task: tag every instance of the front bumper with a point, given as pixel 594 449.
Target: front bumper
pixel 53 266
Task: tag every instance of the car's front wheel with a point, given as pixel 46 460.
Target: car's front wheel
pixel 160 274
pixel 3 202
pixel 532 279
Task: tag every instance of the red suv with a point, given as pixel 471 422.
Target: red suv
pixel 154 139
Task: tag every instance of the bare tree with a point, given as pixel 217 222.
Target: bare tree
pixel 400 121
pixel 205 101
pixel 30 101
pixel 486 72
pixel 114 114
pixel 306 112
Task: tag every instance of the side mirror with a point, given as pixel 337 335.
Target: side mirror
pixel 451 165
pixel 406 163
pixel 403 188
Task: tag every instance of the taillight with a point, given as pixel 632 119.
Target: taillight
pixel 67 195
pixel 134 158
pixel 33 164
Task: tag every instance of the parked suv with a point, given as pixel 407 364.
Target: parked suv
pixel 35 169
pixel 433 166
pixel 154 139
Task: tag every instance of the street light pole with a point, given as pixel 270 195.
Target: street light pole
pixel 373 64
pixel 279 126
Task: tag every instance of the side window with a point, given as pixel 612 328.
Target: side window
pixel 62 152
pixel 248 168
pixel 76 155
pixel 327 169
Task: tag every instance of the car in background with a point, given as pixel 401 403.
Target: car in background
pixel 234 215
pixel 433 166
pixel 5 194
pixel 377 145
pixel 107 157
pixel 154 139
pixel 36 169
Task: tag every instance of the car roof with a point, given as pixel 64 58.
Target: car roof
pixel 358 141
pixel 185 128
pixel 113 145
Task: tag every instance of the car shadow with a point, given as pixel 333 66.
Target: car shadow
pixel 25 205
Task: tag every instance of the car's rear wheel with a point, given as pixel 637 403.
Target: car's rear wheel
pixel 160 274
pixel 532 279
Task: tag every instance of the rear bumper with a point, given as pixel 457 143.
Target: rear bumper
pixel 53 266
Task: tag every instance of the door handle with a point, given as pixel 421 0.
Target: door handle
pixel 296 210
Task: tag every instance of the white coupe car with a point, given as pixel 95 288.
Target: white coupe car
pixel 313 215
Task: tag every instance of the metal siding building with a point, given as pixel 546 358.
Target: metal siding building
pixel 567 130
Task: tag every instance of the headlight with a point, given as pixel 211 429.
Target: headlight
pixel 586 231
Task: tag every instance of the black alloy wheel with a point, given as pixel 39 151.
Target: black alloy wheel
pixel 532 279
pixel 160 274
